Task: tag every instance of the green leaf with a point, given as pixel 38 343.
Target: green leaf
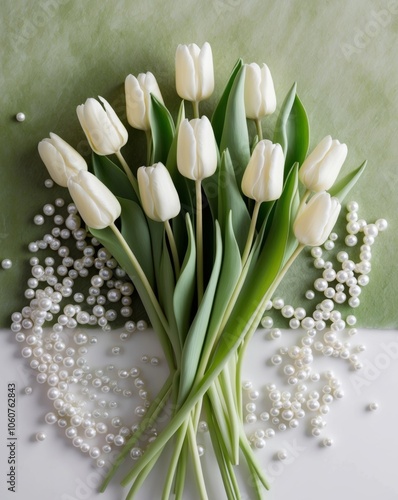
pixel 292 130
pixel 342 187
pixel 162 128
pixel 197 333
pixel 185 287
pixel 166 287
pixel 235 135
pixel 230 200
pixel 230 272
pixel 274 251
pixel 113 177
pixel 134 228
pixel 218 118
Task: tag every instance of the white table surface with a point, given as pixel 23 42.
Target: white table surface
pixel 361 464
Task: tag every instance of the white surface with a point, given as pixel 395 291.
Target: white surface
pixel 360 465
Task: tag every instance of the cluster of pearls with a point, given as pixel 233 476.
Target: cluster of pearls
pixel 86 400
pixel 327 332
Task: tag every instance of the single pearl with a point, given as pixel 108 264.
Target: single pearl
pixel 328 442
pixel 381 224
pixel 20 117
pixel 309 294
pixel 373 406
pixel 282 455
pixel 40 436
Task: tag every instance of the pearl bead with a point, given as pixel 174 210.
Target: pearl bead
pixel 267 322
pixel 282 455
pixel 40 436
pixel 309 294
pixel 328 442
pixel 351 240
pixel 20 117
pixel 373 406
pixel 381 224
pixel 6 263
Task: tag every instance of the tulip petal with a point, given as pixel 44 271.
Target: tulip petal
pixel 185 74
pixel 186 150
pixel 205 72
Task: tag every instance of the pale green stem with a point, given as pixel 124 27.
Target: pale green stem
pixel 173 248
pixel 181 473
pixel 227 393
pixel 195 107
pixel 199 240
pixel 304 199
pixel 264 300
pixel 196 461
pixel 252 230
pixel 141 477
pixel 148 134
pixel 180 438
pixel 259 129
pixel 129 173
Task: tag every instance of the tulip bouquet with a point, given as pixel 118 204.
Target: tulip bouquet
pixel 206 232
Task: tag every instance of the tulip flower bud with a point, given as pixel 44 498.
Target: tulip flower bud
pixel 321 167
pixel 260 98
pixel 105 133
pixel 196 149
pixel 194 72
pixel 138 98
pixel 263 177
pixel 159 196
pixel 61 160
pixel 97 205
pixel 316 219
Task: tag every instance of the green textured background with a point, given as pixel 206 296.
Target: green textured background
pixel 56 53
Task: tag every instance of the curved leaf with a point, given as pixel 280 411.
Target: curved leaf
pixel 134 228
pixel 162 128
pixel 166 287
pixel 113 177
pixel 292 130
pixel 235 135
pixel 185 287
pixel 197 332
pixel 218 118
pixel 230 200
pixel 343 186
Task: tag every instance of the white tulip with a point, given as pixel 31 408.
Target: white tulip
pixel 321 167
pixel 194 72
pixel 61 160
pixel 159 196
pixel 260 98
pixel 316 219
pixel 97 205
pixel 196 149
pixel 105 132
pixel 263 177
pixel 138 98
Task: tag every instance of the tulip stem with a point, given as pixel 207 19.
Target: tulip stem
pixel 252 230
pixel 129 173
pixel 195 107
pixel 173 248
pixel 259 129
pixel 199 240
